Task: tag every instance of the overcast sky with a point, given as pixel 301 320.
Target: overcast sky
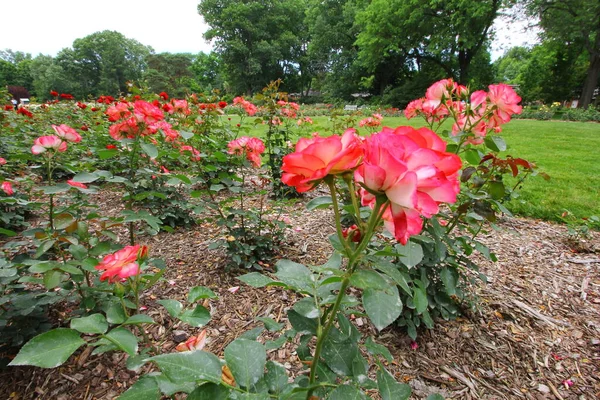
pixel 47 26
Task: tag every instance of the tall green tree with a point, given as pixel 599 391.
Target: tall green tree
pixel 169 73
pixel 103 62
pixel 573 22
pixel 258 41
pixel 207 72
pixel 450 33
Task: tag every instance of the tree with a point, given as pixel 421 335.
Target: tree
pixel 572 22
pixel 450 33
pixel 258 41
pixel 169 73
pixel 47 76
pixel 103 62
pixel 206 72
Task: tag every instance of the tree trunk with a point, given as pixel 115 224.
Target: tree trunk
pixel 591 80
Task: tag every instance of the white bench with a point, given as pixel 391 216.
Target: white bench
pixel 349 107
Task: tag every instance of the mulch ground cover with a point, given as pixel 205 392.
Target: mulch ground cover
pixel 535 333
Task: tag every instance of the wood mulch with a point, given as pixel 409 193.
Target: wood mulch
pixel 534 335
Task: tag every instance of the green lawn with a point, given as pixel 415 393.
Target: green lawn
pixel 567 151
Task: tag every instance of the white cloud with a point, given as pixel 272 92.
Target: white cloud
pixel 42 26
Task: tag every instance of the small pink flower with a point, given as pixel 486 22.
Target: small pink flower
pixel 2 161
pixel 568 383
pixel 172 282
pixel 67 133
pixel 76 184
pixel 7 188
pixel 414 345
pixel 41 144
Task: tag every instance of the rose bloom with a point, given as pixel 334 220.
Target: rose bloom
pixel 7 188
pixel 146 112
pixel 76 184
pixel 53 93
pixel 2 161
pixel 67 133
pixel 193 343
pixel 317 157
pixel 25 112
pixel 118 111
pixel 413 170
pixel 222 104
pixel 111 147
pixel 41 144
pixel 506 101
pixel 122 264
pixel 163 95
pixel 252 147
pixel 181 106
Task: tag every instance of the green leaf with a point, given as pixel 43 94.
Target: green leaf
pixel 52 279
pixel 255 279
pixel 198 317
pixel 496 190
pixel 270 324
pixel 319 202
pixel 339 355
pixel 7 232
pixel 86 177
pixel 139 319
pixel 59 188
pixel 105 154
pixel 472 156
pixel 411 253
pixel 200 292
pixel 61 221
pixel 186 135
pixel 397 276
pixel 368 279
pixel 346 392
pixel 246 360
pixel 50 349
pixel 123 339
pixel 150 150
pixel 389 389
pixel 295 275
pixel 189 366
pixel 209 391
pixel 382 308
pixel 45 246
pixel 115 313
pixel 449 277
pixel 276 377
pixel 378 349
pixel 495 143
pixel 169 388
pixel 420 299
pixel 95 323
pixel 307 308
pixel 145 388
pixel 253 333
pixel 302 324
pixel 173 307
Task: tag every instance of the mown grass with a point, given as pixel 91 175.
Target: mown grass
pixel 569 152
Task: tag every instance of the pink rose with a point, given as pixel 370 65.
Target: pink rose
pixel 67 133
pixel 43 143
pixel 317 157
pixel 7 188
pixel 122 264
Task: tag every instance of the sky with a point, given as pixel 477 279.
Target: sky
pixel 46 26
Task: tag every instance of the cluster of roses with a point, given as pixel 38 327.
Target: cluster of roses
pixel 288 109
pixel 405 172
pixel 138 119
pixel 371 122
pixel 250 108
pixel 251 147
pixel 474 113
